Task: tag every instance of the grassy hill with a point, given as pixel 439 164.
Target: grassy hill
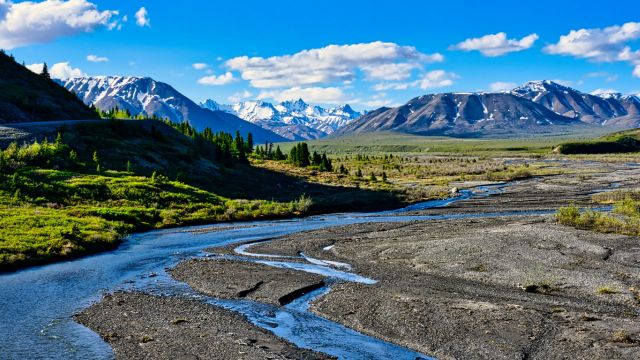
pixel 99 181
pixel 620 142
pixel 26 97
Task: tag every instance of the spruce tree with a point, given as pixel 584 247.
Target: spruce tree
pixel 325 163
pixel 45 71
pixel 278 154
pixel 293 155
pixel 316 159
pixel 249 147
pixel 303 155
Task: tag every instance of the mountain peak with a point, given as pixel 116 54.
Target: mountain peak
pixel 294 119
pixel 540 86
pixel 295 105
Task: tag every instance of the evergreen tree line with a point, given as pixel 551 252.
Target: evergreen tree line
pixel 267 152
pixel 299 156
pixel 219 146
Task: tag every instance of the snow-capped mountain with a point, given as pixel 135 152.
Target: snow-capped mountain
pixel 143 95
pixel 462 114
pixel 536 107
pixel 294 119
pixel 600 109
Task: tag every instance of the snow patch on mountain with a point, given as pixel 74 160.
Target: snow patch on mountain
pixel 293 119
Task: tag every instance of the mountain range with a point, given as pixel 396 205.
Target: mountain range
pixel 536 107
pixel 293 119
pixel 143 95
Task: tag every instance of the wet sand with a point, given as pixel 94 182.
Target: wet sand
pixel 226 279
pixel 511 287
pixel 140 326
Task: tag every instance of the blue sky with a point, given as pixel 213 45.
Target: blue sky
pixel 385 52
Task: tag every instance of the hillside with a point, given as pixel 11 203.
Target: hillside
pixel 101 180
pixel 462 114
pixel 620 142
pixel 538 107
pixel 607 109
pixel 148 97
pixel 28 97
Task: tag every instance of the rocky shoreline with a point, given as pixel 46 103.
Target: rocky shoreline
pixel 514 286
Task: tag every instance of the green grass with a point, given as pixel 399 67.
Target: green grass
pixel 50 214
pixel 380 143
pixel 624 219
pixel 620 142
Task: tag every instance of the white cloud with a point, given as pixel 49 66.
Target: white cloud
pixel 96 58
pixel 322 95
pixel 29 22
pixel 602 74
pixel 603 91
pixel 430 80
pixel 142 17
pixel 330 64
pixel 597 44
pixel 379 100
pixel 223 79
pixel 200 66
pixel 499 86
pixel 239 96
pixel 437 79
pixel 496 44
pixel 58 71
pixel 603 45
pixel 391 72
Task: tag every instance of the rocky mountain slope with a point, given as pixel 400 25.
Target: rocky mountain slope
pixel 536 107
pixel 294 119
pixel 461 114
pixel 29 97
pixel 611 109
pixel 143 95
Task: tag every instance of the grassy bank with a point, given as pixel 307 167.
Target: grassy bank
pixel 621 142
pixel 624 219
pixel 54 205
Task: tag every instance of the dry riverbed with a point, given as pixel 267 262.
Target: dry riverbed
pixel 506 287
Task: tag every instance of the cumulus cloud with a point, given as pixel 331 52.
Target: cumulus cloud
pixel 29 22
pixel 330 64
pixel 602 45
pixel 58 71
pixel 597 44
pixel 437 79
pixel 142 17
pixel 239 96
pixel 216 80
pixel 496 44
pixel 390 71
pixel 200 66
pixel 323 95
pixel 430 80
pixel 379 100
pixel 97 59
pixel 502 86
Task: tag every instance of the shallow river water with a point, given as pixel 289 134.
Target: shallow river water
pixel 37 304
